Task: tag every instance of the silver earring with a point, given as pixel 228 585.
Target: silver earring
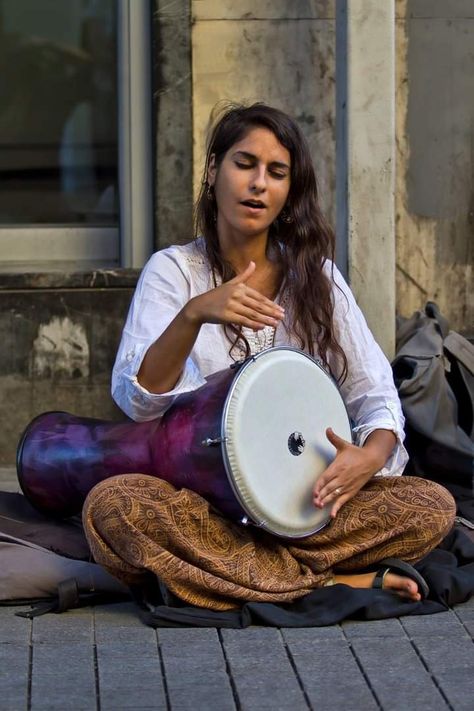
pixel 285 217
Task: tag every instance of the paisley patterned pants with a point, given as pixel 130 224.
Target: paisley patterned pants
pixel 137 525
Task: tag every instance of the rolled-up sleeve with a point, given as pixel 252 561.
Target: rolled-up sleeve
pixel 369 391
pixel 161 292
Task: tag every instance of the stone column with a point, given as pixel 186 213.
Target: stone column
pixel 365 148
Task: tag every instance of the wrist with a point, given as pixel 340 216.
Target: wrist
pixel 379 446
pixel 375 458
pixel 190 314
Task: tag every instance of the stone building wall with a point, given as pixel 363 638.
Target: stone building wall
pixel 274 51
pixel 60 335
pixel 435 159
pixel 60 332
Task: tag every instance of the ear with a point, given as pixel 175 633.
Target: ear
pixel 211 170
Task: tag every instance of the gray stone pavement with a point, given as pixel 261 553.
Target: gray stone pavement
pixel 104 658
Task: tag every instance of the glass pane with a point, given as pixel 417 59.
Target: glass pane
pixel 58 112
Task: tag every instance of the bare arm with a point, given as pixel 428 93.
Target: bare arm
pixel 232 302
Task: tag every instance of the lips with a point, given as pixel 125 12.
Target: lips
pixel 254 204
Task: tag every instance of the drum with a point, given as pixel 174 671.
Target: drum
pixel 251 441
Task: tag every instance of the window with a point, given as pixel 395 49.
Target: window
pixel 66 151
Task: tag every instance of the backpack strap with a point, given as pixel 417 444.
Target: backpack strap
pixel 461 349
pixel 433 312
pixel 67 597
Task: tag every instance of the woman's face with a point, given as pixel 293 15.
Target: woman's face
pixel 251 184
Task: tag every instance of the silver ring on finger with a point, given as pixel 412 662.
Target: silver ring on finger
pixel 338 491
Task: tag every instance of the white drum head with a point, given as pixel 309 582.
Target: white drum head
pixel 274 441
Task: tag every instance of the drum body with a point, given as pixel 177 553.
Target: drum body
pixel 251 441
pixel 61 457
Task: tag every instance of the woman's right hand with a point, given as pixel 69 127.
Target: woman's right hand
pixel 235 302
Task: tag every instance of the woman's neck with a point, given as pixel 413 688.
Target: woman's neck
pixel 239 251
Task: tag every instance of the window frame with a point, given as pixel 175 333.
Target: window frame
pixel 128 244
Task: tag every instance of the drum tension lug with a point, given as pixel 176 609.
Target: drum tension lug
pixel 208 442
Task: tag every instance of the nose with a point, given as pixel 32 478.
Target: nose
pixel 259 179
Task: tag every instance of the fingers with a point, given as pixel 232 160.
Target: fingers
pixel 338 442
pixel 248 307
pixel 268 306
pixel 340 501
pixel 262 308
pixel 329 493
pixel 235 302
pixel 337 497
pixel 243 276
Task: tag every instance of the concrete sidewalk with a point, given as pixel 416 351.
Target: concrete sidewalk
pixel 104 658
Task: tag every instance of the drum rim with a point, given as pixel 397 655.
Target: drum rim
pixel 247 363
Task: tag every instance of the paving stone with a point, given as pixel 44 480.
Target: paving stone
pixel 130 674
pixel 191 649
pixel 303 640
pixel 63 676
pixel 330 675
pixel 278 670
pixel 118 614
pixel 444 623
pixel 468 605
pixel 13 628
pixel 124 634
pixel 76 625
pixel 120 623
pixel 14 670
pixel 254 646
pixel 195 669
pixel 458 688
pixel 262 672
pixel 396 674
pixel 201 698
pixel 265 691
pixel 373 628
pixel 469 626
pixel 446 656
pixel 464 612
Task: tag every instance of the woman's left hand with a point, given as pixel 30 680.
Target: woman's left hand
pixel 352 467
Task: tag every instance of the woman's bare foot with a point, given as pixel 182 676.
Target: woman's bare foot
pixel 399 584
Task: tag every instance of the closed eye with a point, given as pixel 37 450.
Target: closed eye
pixel 274 173
pixel 279 176
pixel 244 166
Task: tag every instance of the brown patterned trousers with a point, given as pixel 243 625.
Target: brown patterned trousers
pixel 137 525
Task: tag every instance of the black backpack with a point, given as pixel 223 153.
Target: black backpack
pixel 434 373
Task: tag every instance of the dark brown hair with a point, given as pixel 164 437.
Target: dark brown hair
pixel 301 246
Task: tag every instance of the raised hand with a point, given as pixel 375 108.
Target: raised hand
pixel 235 302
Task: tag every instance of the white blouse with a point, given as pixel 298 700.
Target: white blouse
pixel 176 274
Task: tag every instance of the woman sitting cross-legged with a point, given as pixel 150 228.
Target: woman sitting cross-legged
pixel 260 274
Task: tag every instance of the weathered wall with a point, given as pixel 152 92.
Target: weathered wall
pixel 172 84
pixel 366 157
pixel 59 338
pixel 274 51
pixel 60 332
pixel 435 159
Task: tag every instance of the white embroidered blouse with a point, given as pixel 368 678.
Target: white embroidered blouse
pixel 176 274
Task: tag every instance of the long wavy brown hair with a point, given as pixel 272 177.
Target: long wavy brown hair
pixel 300 239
